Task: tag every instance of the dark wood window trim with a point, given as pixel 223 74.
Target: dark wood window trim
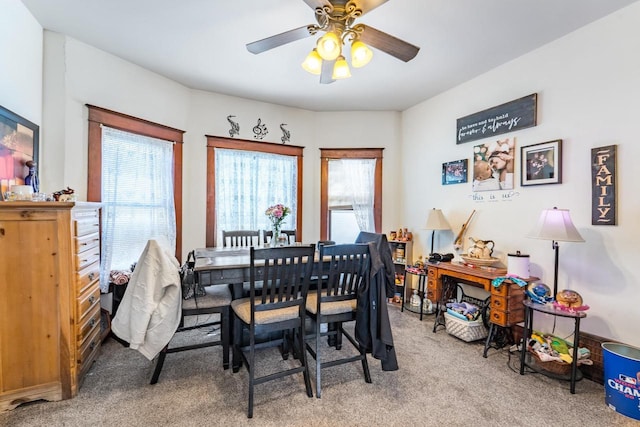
pixel 327 154
pixel 214 142
pixel 100 116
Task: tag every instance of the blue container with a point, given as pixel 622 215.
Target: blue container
pixel 622 378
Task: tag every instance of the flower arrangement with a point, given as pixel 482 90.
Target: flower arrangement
pixel 277 214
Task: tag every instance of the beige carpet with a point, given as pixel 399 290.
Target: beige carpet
pixel 442 381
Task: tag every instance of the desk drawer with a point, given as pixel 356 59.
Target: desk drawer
pixel 510 303
pixel 503 318
pixel 86 225
pixel 507 289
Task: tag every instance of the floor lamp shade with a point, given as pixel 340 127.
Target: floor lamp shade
pixel 556 225
pixel 436 221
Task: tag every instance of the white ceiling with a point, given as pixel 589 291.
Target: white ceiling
pixel 201 43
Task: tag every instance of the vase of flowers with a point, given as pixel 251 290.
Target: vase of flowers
pixel 276 214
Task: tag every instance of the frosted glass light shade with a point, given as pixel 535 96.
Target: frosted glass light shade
pixel 436 221
pixel 555 224
pixel 360 54
pixel 329 46
pixel 313 62
pixel 341 69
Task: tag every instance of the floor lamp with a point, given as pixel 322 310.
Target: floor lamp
pixel 436 221
pixel 556 225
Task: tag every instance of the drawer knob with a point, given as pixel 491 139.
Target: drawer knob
pixel 92 299
pixel 92 322
pixel 92 275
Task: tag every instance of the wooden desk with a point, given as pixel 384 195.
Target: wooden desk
pixel 506 307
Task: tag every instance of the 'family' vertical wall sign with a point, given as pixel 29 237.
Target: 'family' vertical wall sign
pixel 603 192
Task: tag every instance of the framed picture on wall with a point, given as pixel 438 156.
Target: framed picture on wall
pixel 542 163
pixel 454 172
pixel 18 145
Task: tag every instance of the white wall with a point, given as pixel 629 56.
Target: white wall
pixel 77 74
pixel 587 85
pixel 588 88
pixel 20 61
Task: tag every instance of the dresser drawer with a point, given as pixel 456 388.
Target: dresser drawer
pixel 503 318
pixel 87 300
pixel 88 257
pixel 88 350
pixel 86 276
pixel 87 242
pixel 88 323
pixel 83 226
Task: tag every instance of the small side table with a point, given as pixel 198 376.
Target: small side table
pixel 422 279
pixel 530 308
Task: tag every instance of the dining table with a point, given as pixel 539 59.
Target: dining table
pixel 229 265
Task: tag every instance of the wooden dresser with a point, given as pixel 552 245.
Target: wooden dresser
pixel 50 299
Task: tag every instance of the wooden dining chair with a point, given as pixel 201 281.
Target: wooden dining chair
pixel 279 308
pixel 344 271
pixel 202 313
pixel 233 238
pixel 292 236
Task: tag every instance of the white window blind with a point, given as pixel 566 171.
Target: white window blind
pixel 351 187
pixel 247 183
pixel 137 196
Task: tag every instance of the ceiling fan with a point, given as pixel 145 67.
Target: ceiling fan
pixel 336 18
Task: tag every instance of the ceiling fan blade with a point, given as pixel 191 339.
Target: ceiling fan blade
pixel 327 72
pixel 388 43
pixel 263 45
pixel 364 5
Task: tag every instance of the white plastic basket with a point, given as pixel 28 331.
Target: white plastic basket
pixel 464 329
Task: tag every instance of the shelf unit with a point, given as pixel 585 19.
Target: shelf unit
pixel 401 253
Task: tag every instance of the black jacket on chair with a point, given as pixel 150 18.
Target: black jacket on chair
pixel 373 329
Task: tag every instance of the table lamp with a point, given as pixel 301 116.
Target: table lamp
pixel 555 225
pixel 436 221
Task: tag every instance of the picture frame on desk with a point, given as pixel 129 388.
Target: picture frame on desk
pixel 455 172
pixel 18 144
pixel 542 163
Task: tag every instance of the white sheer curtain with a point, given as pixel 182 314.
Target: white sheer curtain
pixel 351 183
pixel 247 183
pixel 137 197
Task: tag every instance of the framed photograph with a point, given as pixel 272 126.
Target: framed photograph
pixel 493 164
pixel 542 163
pixel 18 145
pixel 454 172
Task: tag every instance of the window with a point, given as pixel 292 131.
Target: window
pixel 244 178
pixel 348 209
pixel 135 172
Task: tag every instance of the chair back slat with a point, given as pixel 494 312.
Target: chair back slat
pixel 285 276
pixel 346 271
pixel 239 238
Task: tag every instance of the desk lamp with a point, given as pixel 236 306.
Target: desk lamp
pixel 555 225
pixel 436 221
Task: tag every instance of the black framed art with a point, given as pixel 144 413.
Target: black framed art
pixel 542 163
pixel 454 172
pixel 18 145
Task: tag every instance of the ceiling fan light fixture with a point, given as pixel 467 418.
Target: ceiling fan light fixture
pixel 329 46
pixel 341 69
pixel 313 63
pixel 360 54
